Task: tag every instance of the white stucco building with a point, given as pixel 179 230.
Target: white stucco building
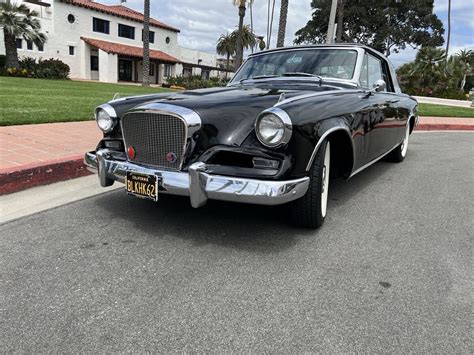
pixel 104 42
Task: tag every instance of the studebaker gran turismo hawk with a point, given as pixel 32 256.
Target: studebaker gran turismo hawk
pixel 290 119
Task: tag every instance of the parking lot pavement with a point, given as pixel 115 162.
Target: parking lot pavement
pixel 390 270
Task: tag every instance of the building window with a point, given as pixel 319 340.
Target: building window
pixel 71 18
pixel 167 73
pixel 168 40
pixel 151 36
pixel 152 69
pixel 29 45
pixel 126 31
pixel 99 25
pixel 19 43
pixel 187 72
pixel 40 48
pixel 94 62
pixel 71 50
pixel 205 74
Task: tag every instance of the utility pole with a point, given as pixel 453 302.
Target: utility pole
pixel 332 23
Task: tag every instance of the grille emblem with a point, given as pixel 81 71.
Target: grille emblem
pixel 171 157
pixel 131 152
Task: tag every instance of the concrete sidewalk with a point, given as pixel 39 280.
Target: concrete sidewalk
pixel 33 155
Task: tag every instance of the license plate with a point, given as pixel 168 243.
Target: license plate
pixel 142 185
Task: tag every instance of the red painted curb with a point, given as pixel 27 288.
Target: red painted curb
pixel 43 173
pixel 443 127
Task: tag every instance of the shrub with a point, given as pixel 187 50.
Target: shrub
pixel 41 69
pixel 21 73
pixel 196 82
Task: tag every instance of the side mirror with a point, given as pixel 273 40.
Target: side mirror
pixel 379 85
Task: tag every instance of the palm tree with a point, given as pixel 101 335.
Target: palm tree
pixel 466 61
pixel 248 38
pixel 226 46
pixel 449 27
pixel 282 24
pixel 242 4
pixel 18 21
pixel 146 43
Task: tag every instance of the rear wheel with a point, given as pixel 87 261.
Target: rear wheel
pixel 399 153
pixel 310 210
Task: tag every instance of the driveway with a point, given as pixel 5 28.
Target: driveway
pixel 390 270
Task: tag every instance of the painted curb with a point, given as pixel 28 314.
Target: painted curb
pixel 443 127
pixel 42 173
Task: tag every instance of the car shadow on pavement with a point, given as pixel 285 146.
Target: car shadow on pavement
pixel 251 227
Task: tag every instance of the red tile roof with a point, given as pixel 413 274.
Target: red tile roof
pixel 137 52
pixel 119 10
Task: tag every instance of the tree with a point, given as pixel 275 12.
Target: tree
pixel 247 37
pixel 146 44
pixel 387 26
pixel 434 73
pixel 226 46
pixel 448 37
pixel 465 59
pixel 239 41
pixel 18 21
pixel 282 23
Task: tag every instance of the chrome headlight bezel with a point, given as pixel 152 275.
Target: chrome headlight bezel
pixel 103 113
pixel 286 125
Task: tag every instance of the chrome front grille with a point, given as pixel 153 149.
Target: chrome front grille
pixel 158 139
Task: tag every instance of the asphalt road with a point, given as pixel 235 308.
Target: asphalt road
pixel 390 270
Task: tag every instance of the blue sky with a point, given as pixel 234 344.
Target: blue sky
pixel 202 22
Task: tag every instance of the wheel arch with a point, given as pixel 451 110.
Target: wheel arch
pixel 342 150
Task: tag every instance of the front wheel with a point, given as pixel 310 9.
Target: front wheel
pixel 310 210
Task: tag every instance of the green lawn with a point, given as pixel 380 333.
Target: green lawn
pixel 445 111
pixel 25 101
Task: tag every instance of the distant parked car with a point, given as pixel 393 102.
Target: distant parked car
pixel 290 119
pixel 471 96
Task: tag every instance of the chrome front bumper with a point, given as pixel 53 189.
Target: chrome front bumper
pixel 199 183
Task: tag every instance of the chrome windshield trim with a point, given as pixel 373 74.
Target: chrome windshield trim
pixel 355 77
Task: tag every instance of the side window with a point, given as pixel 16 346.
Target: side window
pixel 371 71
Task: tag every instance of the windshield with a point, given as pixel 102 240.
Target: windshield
pixel 329 63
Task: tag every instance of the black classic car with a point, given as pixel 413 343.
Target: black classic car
pixel 290 119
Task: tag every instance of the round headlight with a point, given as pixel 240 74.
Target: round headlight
pixel 104 120
pixel 273 128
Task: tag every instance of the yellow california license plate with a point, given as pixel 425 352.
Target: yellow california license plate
pixel 142 185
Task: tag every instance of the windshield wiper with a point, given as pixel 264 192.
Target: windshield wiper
pixel 305 75
pixel 258 77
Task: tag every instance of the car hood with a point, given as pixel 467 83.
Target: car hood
pixel 228 114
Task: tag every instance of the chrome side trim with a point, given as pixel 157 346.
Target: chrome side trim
pixel 373 161
pixel 320 141
pixel 313 94
pixel 200 184
pixel 286 121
